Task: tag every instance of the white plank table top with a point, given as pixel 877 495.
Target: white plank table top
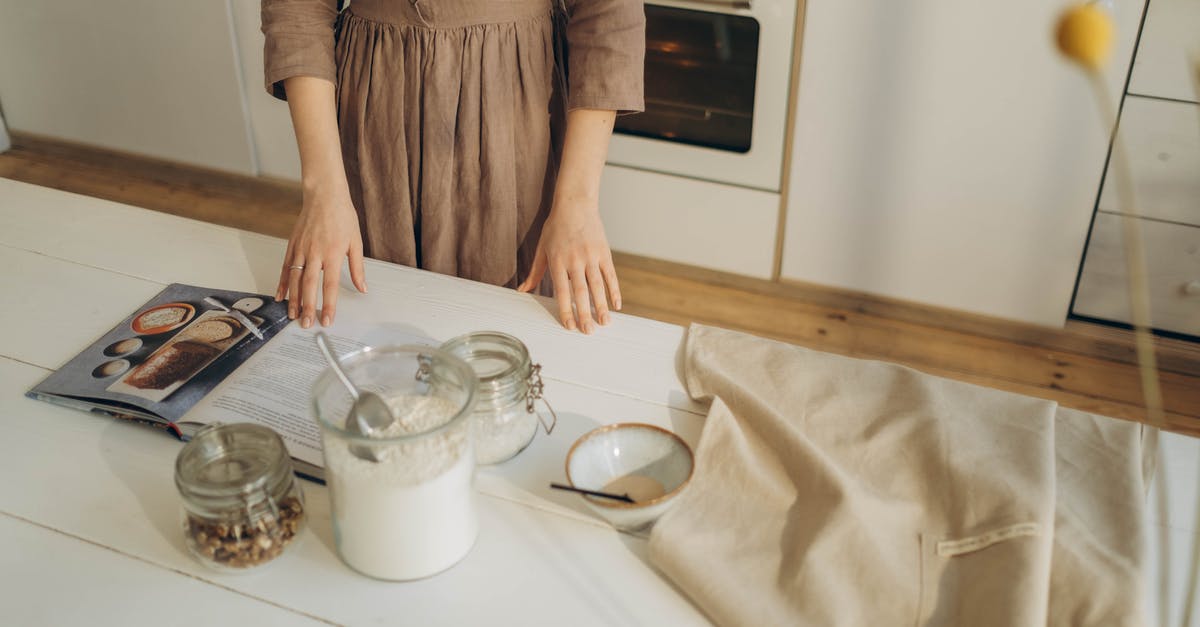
pixel 94 490
pixel 94 500
pixel 633 356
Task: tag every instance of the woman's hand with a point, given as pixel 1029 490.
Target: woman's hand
pixel 573 246
pixel 325 234
pixel 574 249
pixel 327 230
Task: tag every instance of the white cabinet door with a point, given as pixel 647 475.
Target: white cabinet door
pixel 1172 269
pixel 1169 51
pixel 700 223
pixel 1162 139
pixel 145 76
pixel 270 121
pixel 945 153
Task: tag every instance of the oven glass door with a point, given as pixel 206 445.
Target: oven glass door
pixel 701 69
pixel 717 81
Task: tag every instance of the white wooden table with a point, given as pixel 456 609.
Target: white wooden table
pixel 89 522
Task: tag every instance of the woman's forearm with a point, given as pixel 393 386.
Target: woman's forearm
pixel 585 148
pixel 314 118
pixel 573 248
pixel 326 233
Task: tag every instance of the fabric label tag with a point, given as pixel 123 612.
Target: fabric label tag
pixel 951 548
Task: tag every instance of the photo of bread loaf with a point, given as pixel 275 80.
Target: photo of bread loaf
pixel 174 362
pixel 199 341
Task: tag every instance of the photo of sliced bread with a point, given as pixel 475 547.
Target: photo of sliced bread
pixel 213 330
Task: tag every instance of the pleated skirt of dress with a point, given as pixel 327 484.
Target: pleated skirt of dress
pixel 444 110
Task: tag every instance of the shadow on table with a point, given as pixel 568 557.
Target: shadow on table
pixel 264 259
pixel 526 478
pixel 149 480
pixel 320 517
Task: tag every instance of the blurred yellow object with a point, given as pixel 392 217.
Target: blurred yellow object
pixel 1085 34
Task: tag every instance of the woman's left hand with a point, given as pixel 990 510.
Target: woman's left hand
pixel 574 249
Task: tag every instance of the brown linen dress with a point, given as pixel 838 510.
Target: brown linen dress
pixel 450 113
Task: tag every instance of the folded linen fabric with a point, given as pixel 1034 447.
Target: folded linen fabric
pixel 839 491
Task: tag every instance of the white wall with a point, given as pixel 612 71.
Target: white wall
pixel 270 122
pixel 148 76
pixel 944 153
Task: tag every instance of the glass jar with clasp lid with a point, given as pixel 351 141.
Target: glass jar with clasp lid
pixel 242 506
pixel 505 419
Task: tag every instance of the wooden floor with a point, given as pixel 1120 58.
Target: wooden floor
pixel 1086 366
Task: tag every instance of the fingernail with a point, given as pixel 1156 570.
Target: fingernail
pixel 570 325
pixel 278 296
pixel 307 322
pixel 604 319
pixel 291 314
pixel 325 321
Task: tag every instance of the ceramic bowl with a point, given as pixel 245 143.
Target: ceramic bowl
pixel 650 464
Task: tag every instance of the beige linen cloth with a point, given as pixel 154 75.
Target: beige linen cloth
pixel 839 491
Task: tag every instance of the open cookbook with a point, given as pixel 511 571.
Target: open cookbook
pixel 194 356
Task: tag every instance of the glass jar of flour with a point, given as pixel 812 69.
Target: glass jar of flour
pixel 510 383
pixel 403 497
pixel 242 506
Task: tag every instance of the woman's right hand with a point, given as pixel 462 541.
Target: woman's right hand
pixel 327 230
pixel 325 233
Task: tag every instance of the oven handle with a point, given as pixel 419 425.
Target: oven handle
pixel 732 4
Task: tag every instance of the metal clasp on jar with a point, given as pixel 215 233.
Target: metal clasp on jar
pixel 536 388
pixel 424 368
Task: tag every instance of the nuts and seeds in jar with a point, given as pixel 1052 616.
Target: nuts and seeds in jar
pixel 505 419
pixel 242 506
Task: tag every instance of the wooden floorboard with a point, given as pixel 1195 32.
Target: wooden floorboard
pixel 1085 366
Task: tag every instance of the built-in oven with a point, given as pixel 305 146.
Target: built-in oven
pixel 717 75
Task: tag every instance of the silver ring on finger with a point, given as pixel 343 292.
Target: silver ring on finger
pixel 300 267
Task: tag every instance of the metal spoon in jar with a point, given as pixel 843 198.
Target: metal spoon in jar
pixel 368 414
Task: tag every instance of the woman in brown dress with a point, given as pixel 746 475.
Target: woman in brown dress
pixel 456 136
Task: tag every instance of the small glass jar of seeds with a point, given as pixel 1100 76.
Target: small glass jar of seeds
pixel 505 419
pixel 242 506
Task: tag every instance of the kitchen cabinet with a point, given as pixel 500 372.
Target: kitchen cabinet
pixel 1160 130
pixel 1173 273
pixel 150 77
pixel 689 221
pixel 1162 141
pixel 945 153
pixel 1169 51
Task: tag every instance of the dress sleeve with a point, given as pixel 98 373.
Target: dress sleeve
pixel 606 51
pixel 299 41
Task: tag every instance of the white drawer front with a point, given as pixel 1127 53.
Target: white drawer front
pixel 1163 142
pixel 1168 50
pixel 1173 261
pixel 689 221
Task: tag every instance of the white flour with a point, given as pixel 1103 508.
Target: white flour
pixel 500 436
pixel 412 514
